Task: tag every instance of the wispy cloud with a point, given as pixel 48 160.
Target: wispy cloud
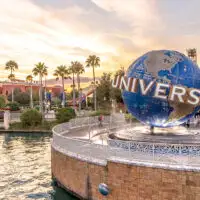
pixel 58 32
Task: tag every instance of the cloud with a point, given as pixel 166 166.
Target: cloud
pixel 31 34
pixel 61 31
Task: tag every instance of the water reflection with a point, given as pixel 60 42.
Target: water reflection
pixel 25 169
pixel 60 194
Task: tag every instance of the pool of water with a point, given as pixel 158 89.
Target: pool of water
pixel 25 168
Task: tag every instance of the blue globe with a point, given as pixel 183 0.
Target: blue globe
pixel 169 67
pixel 103 189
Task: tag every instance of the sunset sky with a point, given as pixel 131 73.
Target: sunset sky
pixel 60 31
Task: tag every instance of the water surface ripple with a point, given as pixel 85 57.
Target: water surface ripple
pixel 25 168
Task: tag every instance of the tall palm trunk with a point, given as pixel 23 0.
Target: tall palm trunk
pixel 95 93
pixel 45 91
pixel 63 92
pixel 79 92
pixel 73 92
pixel 40 95
pixel 31 96
pixel 12 88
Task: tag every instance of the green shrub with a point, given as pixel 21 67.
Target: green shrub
pixel 2 102
pixel 56 101
pixel 46 126
pixel 65 114
pixel 31 117
pixel 37 107
pixel 14 106
pixel 20 97
pixel 129 117
pixel 16 126
pixel 100 112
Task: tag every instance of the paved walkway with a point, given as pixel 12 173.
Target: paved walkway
pixel 94 132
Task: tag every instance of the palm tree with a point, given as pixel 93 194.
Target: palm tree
pixel 41 71
pixel 29 79
pixel 72 70
pixel 120 72
pixel 79 69
pixel 12 66
pixel 63 72
pixel 93 61
pixel 11 77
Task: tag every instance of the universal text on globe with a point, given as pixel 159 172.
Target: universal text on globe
pixel 177 93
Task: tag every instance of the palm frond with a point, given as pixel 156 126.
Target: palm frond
pixel 41 69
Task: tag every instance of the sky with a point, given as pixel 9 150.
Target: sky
pixel 60 31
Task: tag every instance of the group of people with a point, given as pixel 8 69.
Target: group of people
pixel 197 115
pixel 187 124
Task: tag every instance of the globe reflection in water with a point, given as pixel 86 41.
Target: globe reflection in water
pixel 169 67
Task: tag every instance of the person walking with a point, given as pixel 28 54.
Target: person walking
pixel 100 118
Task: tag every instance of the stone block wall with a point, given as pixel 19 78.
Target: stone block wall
pixel 126 182
pixel 78 176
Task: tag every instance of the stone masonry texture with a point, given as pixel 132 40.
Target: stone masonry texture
pixel 126 182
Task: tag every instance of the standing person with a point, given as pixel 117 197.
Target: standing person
pixel 100 118
pixel 188 123
pixel 152 130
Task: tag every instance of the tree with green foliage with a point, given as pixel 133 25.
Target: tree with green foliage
pixel 15 92
pixel 64 73
pixel 116 92
pixel 11 77
pixel 104 91
pixel 41 71
pixel 72 69
pixel 14 106
pixel 65 114
pixel 93 61
pixel 56 101
pixel 78 69
pixel 72 93
pixel 120 72
pixel 11 66
pixel 31 117
pixel 22 98
pixel 2 102
pixel 35 97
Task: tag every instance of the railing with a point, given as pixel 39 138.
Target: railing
pixel 182 154
pixel 87 121
pixel 174 155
